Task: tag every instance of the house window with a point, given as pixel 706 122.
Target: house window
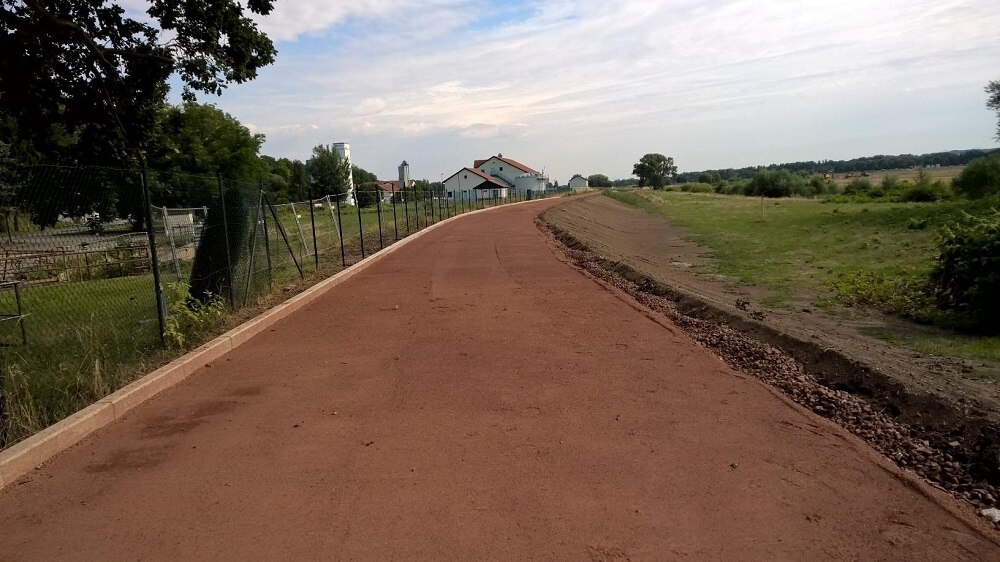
pixel 466 176
pixel 501 168
pixel 449 194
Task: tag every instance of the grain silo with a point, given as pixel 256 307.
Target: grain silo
pixel 344 151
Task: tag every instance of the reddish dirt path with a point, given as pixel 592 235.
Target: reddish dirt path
pixel 472 397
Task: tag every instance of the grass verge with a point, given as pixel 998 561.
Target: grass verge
pixel 831 255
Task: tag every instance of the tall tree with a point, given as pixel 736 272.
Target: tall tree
pixel 81 82
pixel 598 180
pixel 328 172
pixel 362 175
pixel 993 101
pixel 196 141
pixel 655 170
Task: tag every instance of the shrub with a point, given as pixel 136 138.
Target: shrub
pixel 905 295
pixel 210 272
pixel 773 183
pixel 925 190
pixel 820 185
pixel 189 320
pixel 981 178
pixel 711 178
pixel 919 194
pixel 966 274
pixel 858 186
pixel 697 188
pixel 733 187
pixel 889 183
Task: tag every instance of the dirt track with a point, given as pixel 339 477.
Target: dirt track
pixel 473 397
pixel 660 250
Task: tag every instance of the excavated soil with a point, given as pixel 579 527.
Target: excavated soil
pixel 918 410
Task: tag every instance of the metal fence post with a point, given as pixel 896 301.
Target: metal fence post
pixel 406 211
pixel 154 262
pixel 225 230
pixel 253 248
pixel 312 219
pixel 416 213
pixel 361 226
pixel 340 234
pixel 378 209
pixel 267 237
pixel 395 225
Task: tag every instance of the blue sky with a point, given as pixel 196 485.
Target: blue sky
pixel 589 87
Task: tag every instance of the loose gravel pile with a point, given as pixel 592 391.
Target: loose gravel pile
pixel 908 447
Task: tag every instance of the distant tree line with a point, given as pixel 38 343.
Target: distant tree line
pixel 863 164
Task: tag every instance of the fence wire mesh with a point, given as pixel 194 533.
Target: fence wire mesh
pixel 95 261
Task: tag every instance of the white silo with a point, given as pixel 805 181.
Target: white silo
pixel 404 177
pixel 344 151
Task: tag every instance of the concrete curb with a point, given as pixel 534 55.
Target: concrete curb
pixel 25 456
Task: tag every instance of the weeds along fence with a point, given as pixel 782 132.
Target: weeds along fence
pixel 101 268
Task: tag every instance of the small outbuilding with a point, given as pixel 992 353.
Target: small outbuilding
pixel 578 182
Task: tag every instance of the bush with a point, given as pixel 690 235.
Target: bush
pixel 919 194
pixel 981 178
pixel 966 274
pixel 858 186
pixel 773 183
pixel 905 295
pixel 188 320
pixel 819 185
pixel 697 188
pixel 889 183
pixel 732 187
pixel 210 272
pixel 925 190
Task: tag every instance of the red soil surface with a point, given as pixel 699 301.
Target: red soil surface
pixel 474 397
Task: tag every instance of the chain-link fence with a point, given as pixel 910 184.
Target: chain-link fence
pixel 96 262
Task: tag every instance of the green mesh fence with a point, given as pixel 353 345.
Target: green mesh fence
pixel 81 250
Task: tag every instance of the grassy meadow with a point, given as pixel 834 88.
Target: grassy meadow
pixel 813 251
pixel 944 173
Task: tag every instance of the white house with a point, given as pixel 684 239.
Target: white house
pixel 578 182
pixel 513 173
pixel 471 184
pixel 495 177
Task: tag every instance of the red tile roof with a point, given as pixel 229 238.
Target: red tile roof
pixel 513 163
pixel 392 186
pixel 484 177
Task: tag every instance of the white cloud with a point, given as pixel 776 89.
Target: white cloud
pixel 587 86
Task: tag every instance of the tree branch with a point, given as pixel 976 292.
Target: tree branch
pixel 74 27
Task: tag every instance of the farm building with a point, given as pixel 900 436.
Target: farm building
pixel 474 184
pixel 578 182
pixel 496 173
pixel 389 188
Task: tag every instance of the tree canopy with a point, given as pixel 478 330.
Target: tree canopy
pixel 196 138
pixel 654 170
pixel 598 180
pixel 82 82
pixel 993 101
pixel 981 178
pixel 328 172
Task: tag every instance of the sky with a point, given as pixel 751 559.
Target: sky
pixel 589 87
